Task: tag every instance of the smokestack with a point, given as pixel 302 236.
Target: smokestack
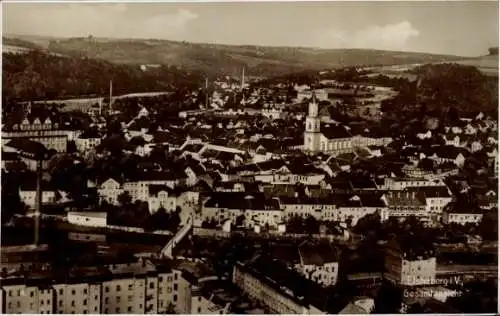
pixel 242 78
pixel 110 94
pixel 38 199
pixel 206 93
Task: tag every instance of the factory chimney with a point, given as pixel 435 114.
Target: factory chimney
pixel 110 95
pixel 242 78
pixel 206 93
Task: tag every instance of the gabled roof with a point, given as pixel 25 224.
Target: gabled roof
pixel 318 253
pixel 241 201
pixel 154 189
pixel 27 146
pixel 158 176
pixel 91 133
pixel 333 131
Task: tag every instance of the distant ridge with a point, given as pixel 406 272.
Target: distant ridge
pixel 226 59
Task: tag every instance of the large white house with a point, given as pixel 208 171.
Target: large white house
pixel 161 196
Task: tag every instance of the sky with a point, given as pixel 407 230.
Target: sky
pixel 465 28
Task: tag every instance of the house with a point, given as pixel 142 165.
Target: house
pixel 138 185
pixel 405 203
pixel 161 196
pixel 192 295
pixel 319 262
pixel 88 140
pixel 109 190
pixel 91 219
pixel 410 261
pixel 352 207
pixel 425 135
pixel 27 192
pixel 401 183
pixel 42 125
pixel 280 290
pixel 462 213
pixel 475 146
pixel 291 173
pixel 436 198
pixel 453 154
pixel 319 208
pixel 30 152
pixel 253 208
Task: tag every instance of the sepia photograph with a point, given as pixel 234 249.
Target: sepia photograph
pixel 249 157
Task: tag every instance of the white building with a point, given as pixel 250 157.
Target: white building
pixel 161 196
pixel 333 138
pixel 109 191
pixel 91 219
pixel 87 140
pixel 254 209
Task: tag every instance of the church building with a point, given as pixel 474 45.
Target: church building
pixel 333 138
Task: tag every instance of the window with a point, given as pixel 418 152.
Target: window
pixel 95 309
pixel 160 279
pixel 106 311
pixel 60 302
pixel 73 292
pixel 175 298
pixel 151 285
pixel 84 302
pixel 106 289
pixel 118 310
pixel 84 291
pixel 95 297
pixel 72 303
pixel 106 300
pixel 175 287
pixel 118 288
pixel 130 287
pixel 129 309
pixel 199 310
pixel 130 298
pixel 175 276
pixel 32 293
pixel 118 299
pixel 85 311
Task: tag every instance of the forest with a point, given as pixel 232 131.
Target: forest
pixel 40 76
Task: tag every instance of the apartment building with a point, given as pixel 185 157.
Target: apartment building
pixel 279 289
pixel 143 287
pixel 410 262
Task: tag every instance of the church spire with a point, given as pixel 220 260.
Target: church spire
pixel 313 97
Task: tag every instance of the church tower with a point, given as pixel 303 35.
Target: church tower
pixel 312 135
